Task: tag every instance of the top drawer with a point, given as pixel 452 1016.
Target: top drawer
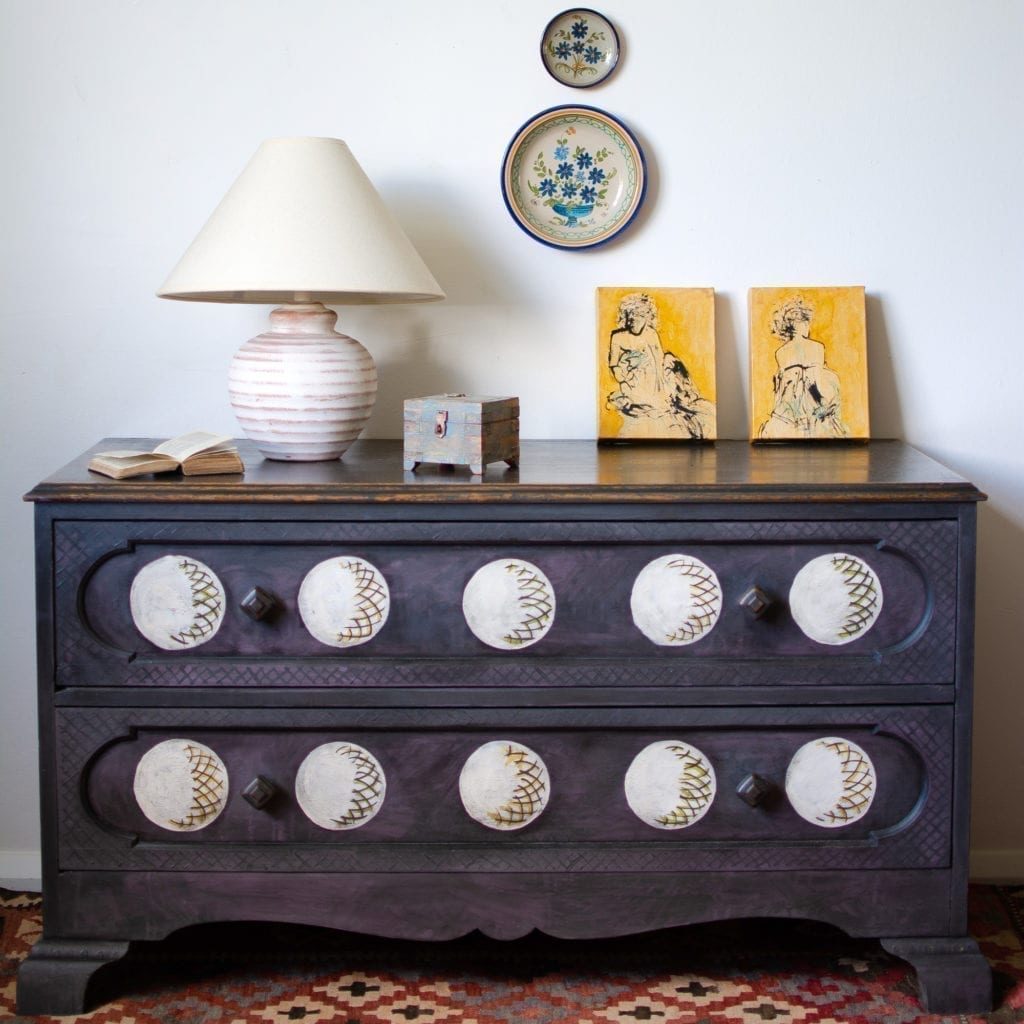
pixel 505 604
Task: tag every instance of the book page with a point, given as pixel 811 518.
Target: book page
pixel 187 445
pixel 123 453
pixel 121 466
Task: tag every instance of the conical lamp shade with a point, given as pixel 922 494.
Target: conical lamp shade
pixel 302 222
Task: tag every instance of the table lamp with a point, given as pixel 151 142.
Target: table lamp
pixel 302 226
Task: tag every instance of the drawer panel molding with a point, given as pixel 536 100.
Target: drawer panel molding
pixel 523 787
pixel 597 606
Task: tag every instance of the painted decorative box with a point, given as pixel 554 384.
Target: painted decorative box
pixel 461 430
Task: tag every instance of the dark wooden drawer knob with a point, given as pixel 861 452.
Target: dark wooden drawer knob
pixel 258 604
pixel 754 790
pixel 259 792
pixel 756 602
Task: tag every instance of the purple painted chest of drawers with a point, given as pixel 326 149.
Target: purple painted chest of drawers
pixel 613 690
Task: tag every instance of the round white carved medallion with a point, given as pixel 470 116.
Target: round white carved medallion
pixel 181 785
pixel 504 785
pixel 509 604
pixel 676 600
pixel 340 785
pixel 344 601
pixel 177 602
pixel 835 598
pixel 670 784
pixel 830 782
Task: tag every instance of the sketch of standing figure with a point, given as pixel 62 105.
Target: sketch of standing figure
pixel 653 384
pixel 807 393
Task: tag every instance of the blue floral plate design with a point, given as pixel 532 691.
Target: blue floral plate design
pixel 573 177
pixel 579 47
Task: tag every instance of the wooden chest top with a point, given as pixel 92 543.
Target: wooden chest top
pixel 549 471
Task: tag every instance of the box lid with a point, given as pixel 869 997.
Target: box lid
pixel 463 408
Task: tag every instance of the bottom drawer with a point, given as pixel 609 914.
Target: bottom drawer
pixel 511 790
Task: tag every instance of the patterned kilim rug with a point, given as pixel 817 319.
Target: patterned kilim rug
pixel 789 972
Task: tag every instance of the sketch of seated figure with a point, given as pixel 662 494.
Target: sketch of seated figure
pixel 691 414
pixel 655 394
pixel 806 391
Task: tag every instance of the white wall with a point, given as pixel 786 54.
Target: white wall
pixel 796 141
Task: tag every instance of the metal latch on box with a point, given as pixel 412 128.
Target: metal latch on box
pixel 441 419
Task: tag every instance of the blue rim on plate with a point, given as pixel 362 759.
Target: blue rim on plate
pixel 573 177
pixel 579 47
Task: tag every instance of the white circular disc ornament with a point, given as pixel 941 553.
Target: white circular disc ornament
pixel 177 602
pixel 830 782
pixel 835 598
pixel 504 785
pixel 509 604
pixel 670 785
pixel 676 600
pixel 181 785
pixel 344 601
pixel 340 786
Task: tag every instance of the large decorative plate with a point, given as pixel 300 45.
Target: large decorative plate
pixel 579 47
pixel 573 177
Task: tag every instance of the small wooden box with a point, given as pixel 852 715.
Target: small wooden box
pixel 461 430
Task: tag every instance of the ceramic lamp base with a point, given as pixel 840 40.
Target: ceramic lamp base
pixel 301 391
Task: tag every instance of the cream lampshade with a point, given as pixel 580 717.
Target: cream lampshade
pixel 302 226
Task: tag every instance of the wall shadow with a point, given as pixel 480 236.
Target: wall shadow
pixel 885 411
pixel 733 408
pixel 442 229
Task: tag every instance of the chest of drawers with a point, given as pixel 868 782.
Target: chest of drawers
pixel 610 691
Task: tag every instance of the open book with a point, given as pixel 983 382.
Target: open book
pixel 194 454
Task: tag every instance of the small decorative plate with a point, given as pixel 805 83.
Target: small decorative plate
pixel 573 177
pixel 579 47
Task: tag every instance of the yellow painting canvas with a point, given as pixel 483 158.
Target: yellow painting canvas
pixel 808 364
pixel 656 364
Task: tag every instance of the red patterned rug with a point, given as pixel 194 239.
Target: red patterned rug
pixel 733 972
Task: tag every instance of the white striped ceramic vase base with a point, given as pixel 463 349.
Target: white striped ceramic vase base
pixel 301 391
